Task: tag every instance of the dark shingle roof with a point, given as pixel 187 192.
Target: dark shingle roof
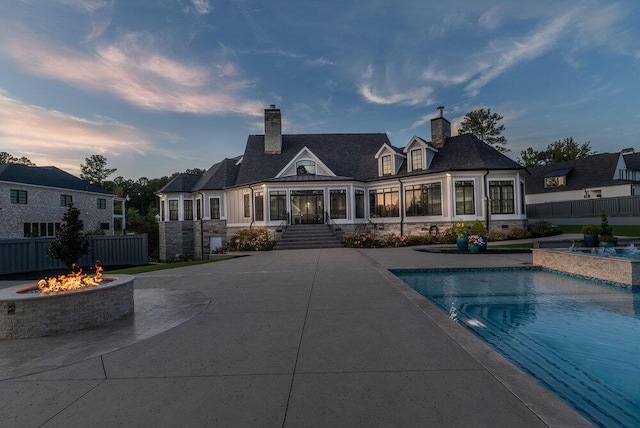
pixel 595 170
pixel 181 183
pixel 467 152
pixel 347 155
pixel 47 176
pixel 221 175
pixel 632 161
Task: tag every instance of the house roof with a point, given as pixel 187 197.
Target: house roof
pixel 182 182
pixel 593 171
pixel 632 161
pixel 467 152
pixel 346 155
pixel 221 175
pixel 47 176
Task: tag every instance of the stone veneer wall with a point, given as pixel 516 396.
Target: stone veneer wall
pixel 35 315
pixel 615 269
pixel 176 239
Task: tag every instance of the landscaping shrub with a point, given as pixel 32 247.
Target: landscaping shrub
pixel 448 236
pixel 496 235
pixel 420 240
pixel 393 240
pixel 517 233
pixel 361 240
pixel 251 240
pixel 542 228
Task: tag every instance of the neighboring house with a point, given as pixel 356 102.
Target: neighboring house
pixel 34 199
pixel 604 175
pixel 351 180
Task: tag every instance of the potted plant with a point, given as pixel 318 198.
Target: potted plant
pixel 606 232
pixel 461 230
pixel 477 228
pixel 475 243
pixel 591 232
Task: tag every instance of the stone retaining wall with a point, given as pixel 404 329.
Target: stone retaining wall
pixel 614 269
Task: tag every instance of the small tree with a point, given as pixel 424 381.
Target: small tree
pixel 69 244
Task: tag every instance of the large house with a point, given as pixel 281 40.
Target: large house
pixel 352 180
pixel 603 175
pixel 33 201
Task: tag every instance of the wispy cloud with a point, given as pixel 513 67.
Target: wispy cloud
pixel 136 74
pixel 100 13
pixel 490 20
pixel 201 6
pixel 51 137
pixel 319 62
pixel 391 94
pixel 511 53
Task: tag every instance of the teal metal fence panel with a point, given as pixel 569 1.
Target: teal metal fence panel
pixel 30 254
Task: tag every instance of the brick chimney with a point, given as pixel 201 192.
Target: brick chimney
pixel 440 129
pixel 272 131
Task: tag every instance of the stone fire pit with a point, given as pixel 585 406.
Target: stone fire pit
pixel 24 314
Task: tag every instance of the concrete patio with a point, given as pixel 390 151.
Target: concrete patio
pixel 322 337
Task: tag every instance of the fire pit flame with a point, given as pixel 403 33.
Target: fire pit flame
pixel 72 281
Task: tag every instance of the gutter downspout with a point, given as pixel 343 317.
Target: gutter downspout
pixel 486 200
pixel 253 214
pixel 202 225
pixel 401 200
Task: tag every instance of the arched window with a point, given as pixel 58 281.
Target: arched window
pixel 306 167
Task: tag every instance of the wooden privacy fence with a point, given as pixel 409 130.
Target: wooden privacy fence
pixel 30 254
pixel 615 207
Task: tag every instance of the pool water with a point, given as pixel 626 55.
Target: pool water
pixel 579 338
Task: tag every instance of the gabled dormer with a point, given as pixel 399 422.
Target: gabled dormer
pixel 389 160
pixel 419 154
pixel 305 163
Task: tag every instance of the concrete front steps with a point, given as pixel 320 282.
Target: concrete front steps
pixel 299 236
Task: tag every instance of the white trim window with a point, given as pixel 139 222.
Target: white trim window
pixel 214 208
pixel 464 197
pixel 502 195
pixel 417 159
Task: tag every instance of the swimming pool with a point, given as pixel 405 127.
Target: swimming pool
pixel 579 338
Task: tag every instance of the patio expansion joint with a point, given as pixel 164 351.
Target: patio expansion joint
pixel 304 323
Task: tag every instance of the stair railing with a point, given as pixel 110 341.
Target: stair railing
pixel 282 227
pixel 335 227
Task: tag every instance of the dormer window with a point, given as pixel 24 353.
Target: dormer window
pixel 556 178
pixel 417 162
pixel 306 167
pixel 555 181
pixel 386 165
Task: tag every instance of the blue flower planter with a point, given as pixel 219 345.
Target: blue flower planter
pixel 474 248
pixel 462 244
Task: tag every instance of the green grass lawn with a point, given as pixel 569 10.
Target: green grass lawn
pixel 162 266
pixel 617 230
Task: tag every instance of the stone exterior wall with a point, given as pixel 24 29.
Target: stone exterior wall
pixel 43 206
pixel 36 315
pixel 176 240
pixel 619 270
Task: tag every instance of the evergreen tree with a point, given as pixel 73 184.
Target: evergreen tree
pixel 95 170
pixel 69 244
pixel 484 125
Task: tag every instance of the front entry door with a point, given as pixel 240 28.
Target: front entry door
pixel 307 206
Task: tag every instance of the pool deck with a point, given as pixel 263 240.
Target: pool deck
pixel 283 338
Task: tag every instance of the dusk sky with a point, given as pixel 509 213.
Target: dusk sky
pixel 159 86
